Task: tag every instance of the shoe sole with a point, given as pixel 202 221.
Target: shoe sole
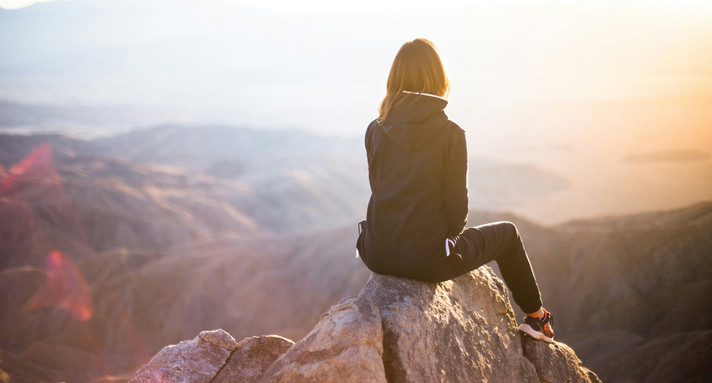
pixel 525 328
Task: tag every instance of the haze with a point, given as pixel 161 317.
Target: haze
pixel 573 88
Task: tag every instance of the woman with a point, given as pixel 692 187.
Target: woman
pixel 417 165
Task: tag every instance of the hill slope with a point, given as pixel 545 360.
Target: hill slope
pixel 105 260
pixel 630 292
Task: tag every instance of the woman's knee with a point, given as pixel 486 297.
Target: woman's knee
pixel 510 228
pixel 512 237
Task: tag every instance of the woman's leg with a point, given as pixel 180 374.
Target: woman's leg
pixel 500 242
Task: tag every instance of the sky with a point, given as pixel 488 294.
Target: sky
pixel 580 42
pixel 572 87
pixel 360 6
pixel 286 59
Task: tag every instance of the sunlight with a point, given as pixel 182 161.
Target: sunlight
pixel 15 4
pixel 680 3
pixel 347 7
pixel 227 61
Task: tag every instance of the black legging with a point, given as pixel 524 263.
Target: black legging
pixel 500 242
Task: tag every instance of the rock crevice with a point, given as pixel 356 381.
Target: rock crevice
pixel 232 353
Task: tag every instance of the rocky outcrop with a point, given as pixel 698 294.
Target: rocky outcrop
pixel 556 363
pixel 395 330
pixel 251 358
pixel 197 360
pixel 345 346
pixel 213 356
pixel 460 330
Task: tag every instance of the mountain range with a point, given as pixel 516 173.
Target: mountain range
pixel 114 247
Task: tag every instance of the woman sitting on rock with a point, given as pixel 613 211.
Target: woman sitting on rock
pixel 417 165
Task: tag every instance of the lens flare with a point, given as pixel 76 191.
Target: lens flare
pixel 38 165
pixel 32 193
pixel 65 288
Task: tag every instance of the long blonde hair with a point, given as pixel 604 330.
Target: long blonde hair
pixel 416 68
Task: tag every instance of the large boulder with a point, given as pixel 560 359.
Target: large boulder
pixel 401 330
pixel 251 358
pixel 556 363
pixel 197 360
pixel 345 346
pixel 455 331
pixel 213 356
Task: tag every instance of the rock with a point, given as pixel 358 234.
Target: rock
pixel 252 357
pixel 395 330
pixel 214 357
pixel 456 331
pixel 556 362
pixel 195 361
pixel 345 346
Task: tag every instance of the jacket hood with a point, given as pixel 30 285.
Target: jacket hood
pixel 414 120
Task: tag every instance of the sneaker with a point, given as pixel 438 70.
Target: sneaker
pixel 539 328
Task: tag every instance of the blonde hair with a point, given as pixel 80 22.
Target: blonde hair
pixel 416 68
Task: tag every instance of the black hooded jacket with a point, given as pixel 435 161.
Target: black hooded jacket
pixel 417 165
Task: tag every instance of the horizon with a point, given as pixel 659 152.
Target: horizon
pixel 512 64
pixel 574 89
pixel 499 56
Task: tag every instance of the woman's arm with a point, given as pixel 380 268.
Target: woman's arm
pixel 367 141
pixel 455 183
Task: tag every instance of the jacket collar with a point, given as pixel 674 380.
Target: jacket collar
pixel 415 119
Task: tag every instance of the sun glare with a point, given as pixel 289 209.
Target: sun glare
pixel 15 4
pixel 680 3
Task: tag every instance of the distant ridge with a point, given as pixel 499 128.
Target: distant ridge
pixel 162 248
pixel 678 155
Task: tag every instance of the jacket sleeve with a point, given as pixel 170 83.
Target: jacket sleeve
pixel 367 142
pixel 455 184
